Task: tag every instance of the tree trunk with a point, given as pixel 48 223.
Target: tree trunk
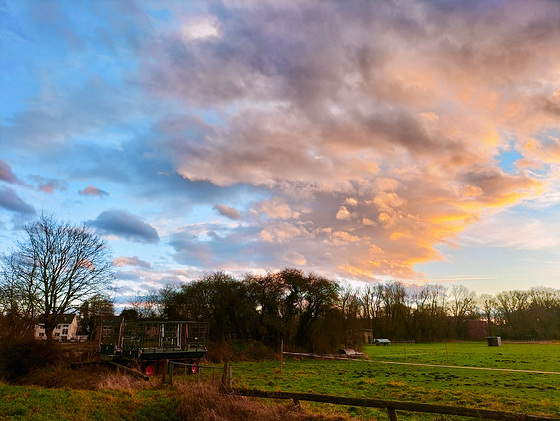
pixel 49 332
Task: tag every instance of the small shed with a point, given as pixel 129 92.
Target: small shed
pixel 494 341
pixel 382 342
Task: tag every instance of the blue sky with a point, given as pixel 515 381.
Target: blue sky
pixel 365 141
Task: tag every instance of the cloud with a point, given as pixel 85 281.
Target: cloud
pixel 228 212
pixel 126 225
pixel 49 185
pixel 360 137
pixel 10 200
pixel 365 140
pixel 276 208
pixel 93 191
pixel 6 174
pixel 131 261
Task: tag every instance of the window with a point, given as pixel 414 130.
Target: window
pixel 41 334
pixel 65 331
pixel 64 326
pixel 57 334
pixel 58 327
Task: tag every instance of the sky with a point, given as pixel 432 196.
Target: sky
pixel 365 141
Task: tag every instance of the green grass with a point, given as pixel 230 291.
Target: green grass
pixel 35 403
pixel 375 378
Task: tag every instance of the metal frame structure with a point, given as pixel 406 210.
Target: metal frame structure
pixel 147 344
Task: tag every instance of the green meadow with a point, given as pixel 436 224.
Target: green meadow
pixel 454 374
pixel 43 404
pixel 521 378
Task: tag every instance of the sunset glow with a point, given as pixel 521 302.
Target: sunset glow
pixel 363 141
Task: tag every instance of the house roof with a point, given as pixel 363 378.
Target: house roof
pixel 65 319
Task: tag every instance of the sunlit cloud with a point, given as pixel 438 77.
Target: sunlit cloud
pixel 374 126
pixel 353 139
pixel 93 191
pixel 131 261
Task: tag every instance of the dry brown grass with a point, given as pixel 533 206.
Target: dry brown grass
pixel 193 402
pixel 88 377
pixel 203 402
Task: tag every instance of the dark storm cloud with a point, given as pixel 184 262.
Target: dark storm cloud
pixel 126 225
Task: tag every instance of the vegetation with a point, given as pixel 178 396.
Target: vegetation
pixel 319 315
pixel 95 392
pixel 54 268
pixel 101 395
pixel 434 383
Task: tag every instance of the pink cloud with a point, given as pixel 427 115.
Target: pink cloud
pixel 93 191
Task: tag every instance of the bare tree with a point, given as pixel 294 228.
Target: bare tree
pixel 462 304
pixel 54 268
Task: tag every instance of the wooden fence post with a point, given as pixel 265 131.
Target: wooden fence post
pixel 282 356
pixel 171 370
pixel 392 414
pixel 165 364
pixel 224 386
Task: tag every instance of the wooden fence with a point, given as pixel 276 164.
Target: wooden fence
pixel 391 406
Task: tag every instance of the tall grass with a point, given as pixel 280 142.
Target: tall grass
pixel 203 402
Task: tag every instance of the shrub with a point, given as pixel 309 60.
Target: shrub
pixel 18 358
pixel 220 352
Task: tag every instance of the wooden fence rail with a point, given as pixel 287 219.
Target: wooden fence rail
pixel 392 406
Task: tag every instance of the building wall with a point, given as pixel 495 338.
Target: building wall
pixel 64 331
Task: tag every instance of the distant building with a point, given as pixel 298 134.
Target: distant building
pixel 66 329
pixel 477 329
pixel 368 336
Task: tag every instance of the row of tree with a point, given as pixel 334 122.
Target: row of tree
pixel 314 313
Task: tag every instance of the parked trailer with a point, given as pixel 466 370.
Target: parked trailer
pixel 145 345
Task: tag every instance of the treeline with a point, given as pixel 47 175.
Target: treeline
pixel 313 313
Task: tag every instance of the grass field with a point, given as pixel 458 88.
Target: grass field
pixel 448 383
pixel 392 373
pixel 37 403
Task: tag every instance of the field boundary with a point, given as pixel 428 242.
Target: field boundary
pixel 391 406
pixel 328 357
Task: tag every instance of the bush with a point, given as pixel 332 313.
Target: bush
pixel 18 358
pixel 256 351
pixel 221 352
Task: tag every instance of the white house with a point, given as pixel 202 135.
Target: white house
pixel 66 329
